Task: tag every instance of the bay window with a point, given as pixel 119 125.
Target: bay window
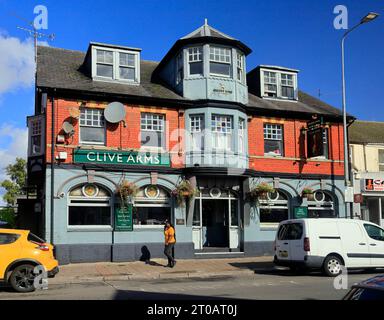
pixel 92 126
pixel 220 61
pixel 197 132
pixel 273 139
pixel 195 61
pixel 240 67
pixel 152 130
pixel 241 135
pixel 221 127
pixel 35 129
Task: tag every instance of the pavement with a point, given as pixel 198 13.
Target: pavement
pixel 155 269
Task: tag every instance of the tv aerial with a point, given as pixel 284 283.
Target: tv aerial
pixel 33 32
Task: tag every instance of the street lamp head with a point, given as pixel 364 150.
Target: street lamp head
pixel 369 17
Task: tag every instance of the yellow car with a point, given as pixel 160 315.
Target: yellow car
pixel 20 252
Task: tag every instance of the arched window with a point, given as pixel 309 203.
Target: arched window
pixel 152 206
pixel 322 206
pixel 275 208
pixel 89 206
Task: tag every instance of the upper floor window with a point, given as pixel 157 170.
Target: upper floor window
pixel 240 67
pixel 278 84
pixel 35 126
pixel 222 127
pixel 273 139
pixel 92 126
pixel 241 134
pixel 152 130
pixel 127 65
pixel 114 64
pixel 325 143
pixel 195 60
pixel 104 63
pixel 270 84
pixel 179 68
pixel 381 159
pixel 287 86
pixel 220 61
pixel 197 132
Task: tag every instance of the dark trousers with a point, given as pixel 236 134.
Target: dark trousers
pixel 168 251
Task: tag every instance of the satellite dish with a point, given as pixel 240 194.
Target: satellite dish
pixel 74 112
pixel 114 112
pixel 68 128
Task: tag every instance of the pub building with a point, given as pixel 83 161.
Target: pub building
pixel 105 121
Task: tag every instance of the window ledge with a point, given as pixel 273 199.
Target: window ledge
pixel 119 81
pixel 268 226
pixel 89 229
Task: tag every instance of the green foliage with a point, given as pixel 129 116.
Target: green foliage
pixel 13 186
pixel 183 191
pixel 8 215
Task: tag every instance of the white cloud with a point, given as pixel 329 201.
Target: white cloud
pixel 17 147
pixel 17 63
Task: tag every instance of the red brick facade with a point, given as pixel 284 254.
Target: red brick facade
pixel 127 137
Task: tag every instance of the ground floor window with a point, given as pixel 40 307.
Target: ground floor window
pixel 322 206
pixel 89 205
pixel 152 207
pixel 275 208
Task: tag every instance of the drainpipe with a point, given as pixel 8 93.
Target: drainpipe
pixel 52 167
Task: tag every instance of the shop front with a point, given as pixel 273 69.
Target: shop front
pixel 371 204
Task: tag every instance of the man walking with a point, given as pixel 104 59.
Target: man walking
pixel 170 240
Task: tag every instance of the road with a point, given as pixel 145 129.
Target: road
pixel 271 284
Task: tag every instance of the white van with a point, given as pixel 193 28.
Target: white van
pixel 328 244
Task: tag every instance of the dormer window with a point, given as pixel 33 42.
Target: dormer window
pixel 115 64
pixel 270 84
pixel 220 61
pixel 279 83
pixel 287 86
pixel 195 60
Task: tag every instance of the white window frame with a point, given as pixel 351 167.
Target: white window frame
pixel 277 136
pixel 222 137
pixel 84 202
pixel 240 66
pixel 31 121
pixel 162 130
pixel 116 65
pixel 197 55
pixel 287 83
pixel 269 82
pixel 212 58
pixel 102 124
pixel 378 159
pixel 278 84
pixel 241 134
pixel 197 131
pixel 277 204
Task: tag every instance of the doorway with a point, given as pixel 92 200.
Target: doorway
pixel 216 222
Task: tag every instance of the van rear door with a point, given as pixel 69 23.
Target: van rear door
pixel 289 243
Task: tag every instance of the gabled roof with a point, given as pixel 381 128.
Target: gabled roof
pixel 207 31
pixel 63 69
pixel 362 132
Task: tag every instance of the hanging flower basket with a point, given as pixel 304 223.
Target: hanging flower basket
pixel 127 190
pixel 184 191
pixel 307 193
pixel 260 192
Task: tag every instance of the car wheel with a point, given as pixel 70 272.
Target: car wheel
pixel 22 278
pixel 332 266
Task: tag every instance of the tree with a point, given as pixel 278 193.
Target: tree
pixel 13 186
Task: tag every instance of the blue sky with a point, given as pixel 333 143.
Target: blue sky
pixel 297 34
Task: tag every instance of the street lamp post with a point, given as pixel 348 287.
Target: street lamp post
pixel 368 18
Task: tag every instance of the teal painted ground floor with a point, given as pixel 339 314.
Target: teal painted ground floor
pixel 219 221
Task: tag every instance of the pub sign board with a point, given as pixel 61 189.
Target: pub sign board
pixel 123 218
pixel 121 157
pixel 315 144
